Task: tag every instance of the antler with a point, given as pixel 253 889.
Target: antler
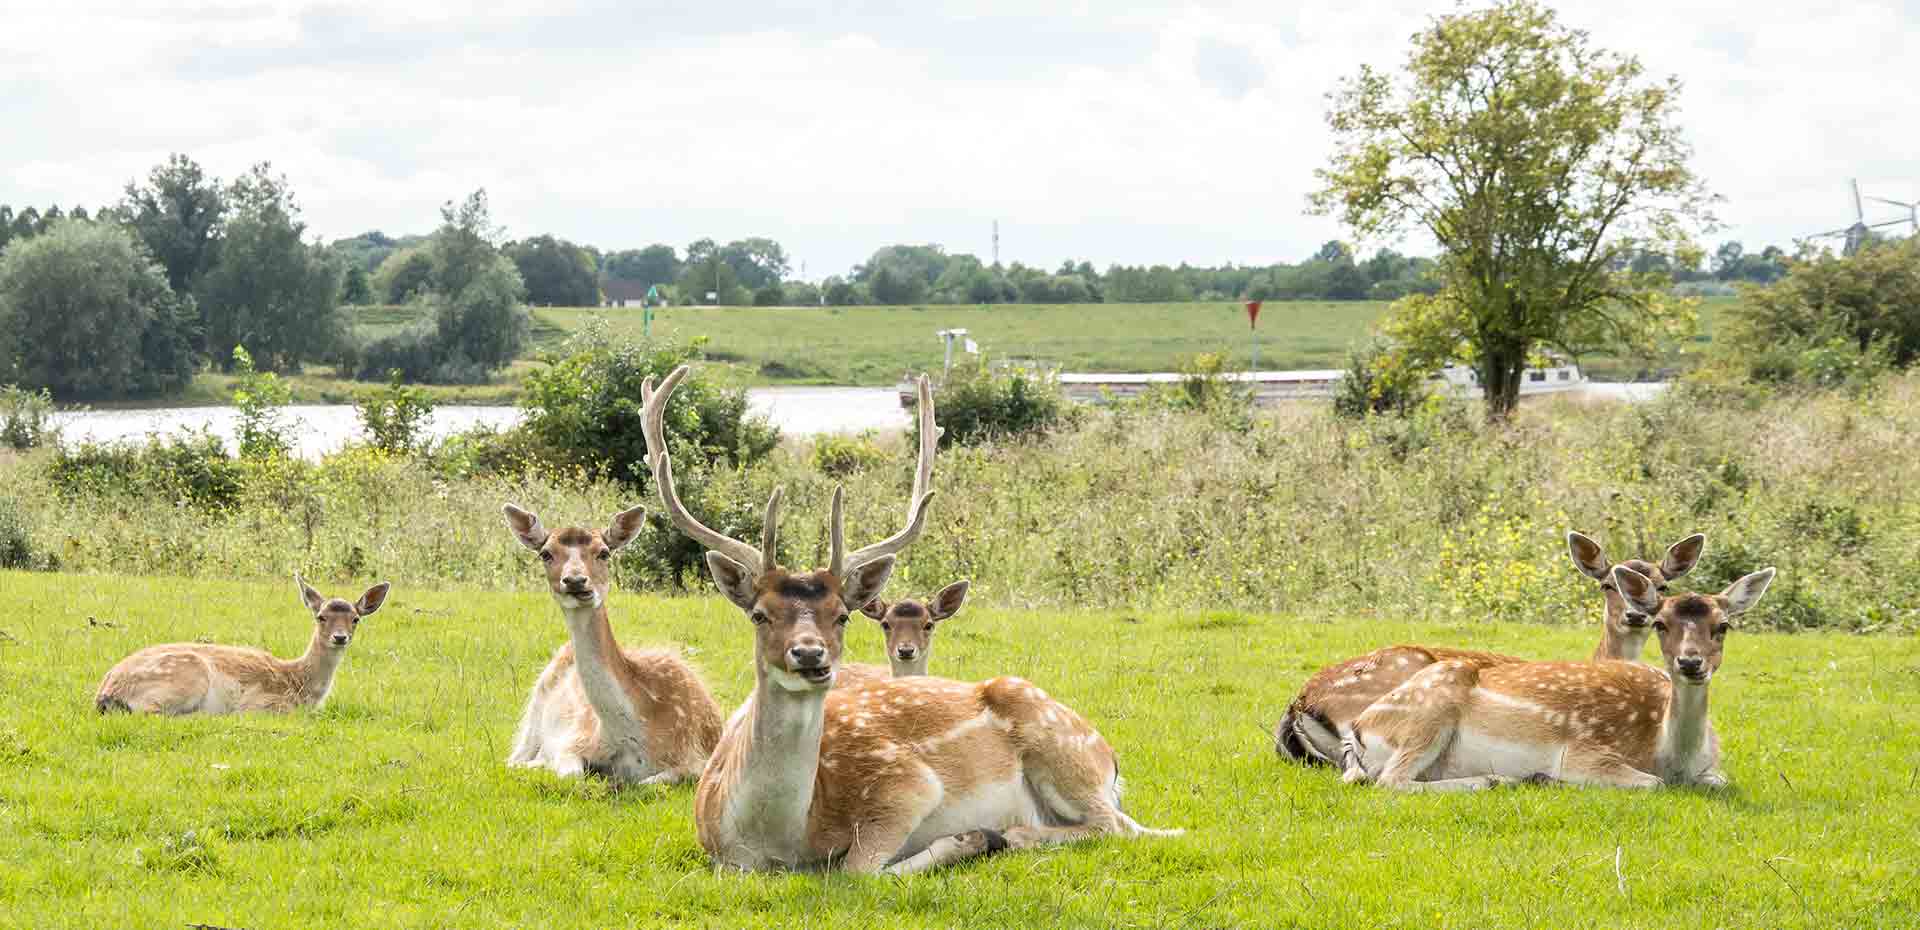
pixel 843 562
pixel 655 403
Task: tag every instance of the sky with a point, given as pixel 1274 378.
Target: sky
pixel 1117 132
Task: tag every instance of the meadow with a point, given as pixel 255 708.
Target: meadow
pixel 391 807
pixel 876 346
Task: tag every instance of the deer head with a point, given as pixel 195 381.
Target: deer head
pixel 908 624
pixel 1692 627
pixel 338 618
pixel 578 561
pixel 799 618
pixel 1622 620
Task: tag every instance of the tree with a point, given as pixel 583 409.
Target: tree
pixel 404 275
pixel 655 264
pixel 356 289
pixel 1536 161
pixel 477 297
pixel 268 290
pixel 177 214
pixel 90 316
pixel 756 262
pixel 557 272
pixel 1870 299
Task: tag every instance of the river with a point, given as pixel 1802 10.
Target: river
pixel 319 429
pixel 799 411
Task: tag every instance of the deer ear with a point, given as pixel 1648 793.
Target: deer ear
pixel 1746 592
pixel 373 599
pixel 624 527
pixel 526 527
pixel 1587 556
pixel 866 580
pixel 1638 589
pixel 1683 556
pixel 876 608
pixel 732 579
pixel 308 596
pixel 948 601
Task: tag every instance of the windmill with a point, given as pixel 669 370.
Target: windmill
pixel 1858 234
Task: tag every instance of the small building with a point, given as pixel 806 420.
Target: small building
pixel 619 293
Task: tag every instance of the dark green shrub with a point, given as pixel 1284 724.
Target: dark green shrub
pixel 26 418
pixel 584 408
pixel 976 404
pixel 16 542
pixel 193 468
pixel 414 352
pixel 395 417
pixel 840 455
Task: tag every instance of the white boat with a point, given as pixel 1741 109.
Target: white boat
pixel 1274 386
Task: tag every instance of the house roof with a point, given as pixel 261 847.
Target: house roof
pixel 620 289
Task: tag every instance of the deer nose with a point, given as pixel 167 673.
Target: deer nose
pixel 340 639
pixel 906 652
pixel 1691 664
pixel 808 656
pixel 575 582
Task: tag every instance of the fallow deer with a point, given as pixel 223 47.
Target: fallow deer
pixel 202 678
pixel 1318 720
pixel 631 715
pixel 908 626
pixel 900 774
pixel 1460 727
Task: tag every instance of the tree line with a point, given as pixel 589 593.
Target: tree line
pixel 135 298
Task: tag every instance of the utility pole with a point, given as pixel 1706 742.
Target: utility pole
pixel 996 243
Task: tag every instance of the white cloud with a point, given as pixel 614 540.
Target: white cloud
pixel 1137 134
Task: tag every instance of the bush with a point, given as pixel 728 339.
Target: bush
pixel 188 468
pixel 584 408
pixel 26 418
pixel 840 455
pixel 16 543
pixel 395 417
pixel 1205 388
pixel 976 404
pixel 260 397
pixel 483 326
pixel 413 351
pixel 1378 380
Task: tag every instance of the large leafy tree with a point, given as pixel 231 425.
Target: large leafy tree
pixel 1538 162
pixel 86 314
pixel 557 272
pixel 177 214
pixel 655 264
pixel 477 297
pixel 268 290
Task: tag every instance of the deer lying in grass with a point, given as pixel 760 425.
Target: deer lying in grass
pixel 908 626
pixel 631 715
pixel 1318 720
pixel 200 678
pixel 1458 726
pixel 901 774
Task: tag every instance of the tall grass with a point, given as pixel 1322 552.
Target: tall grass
pixel 1434 516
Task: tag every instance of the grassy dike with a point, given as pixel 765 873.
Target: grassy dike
pixel 392 808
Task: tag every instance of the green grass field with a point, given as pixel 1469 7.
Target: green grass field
pixel 875 346
pixel 391 808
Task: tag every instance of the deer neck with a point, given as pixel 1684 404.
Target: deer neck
pixel 1685 733
pixel 595 655
pixel 314 670
pixel 1620 645
pixel 908 668
pixel 774 794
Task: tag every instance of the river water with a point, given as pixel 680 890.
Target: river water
pixel 320 429
pixel 799 411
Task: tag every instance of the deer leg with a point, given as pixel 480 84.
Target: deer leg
pixel 948 850
pixel 1604 769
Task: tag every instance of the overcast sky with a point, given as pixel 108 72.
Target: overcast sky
pixel 1112 132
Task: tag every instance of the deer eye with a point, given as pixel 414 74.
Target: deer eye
pixel 1720 631
pixel 842 619
pixel 929 628
pixel 1607 586
pixel 886 627
pixel 758 616
pixel 1660 626
pixel 604 554
pixel 546 556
